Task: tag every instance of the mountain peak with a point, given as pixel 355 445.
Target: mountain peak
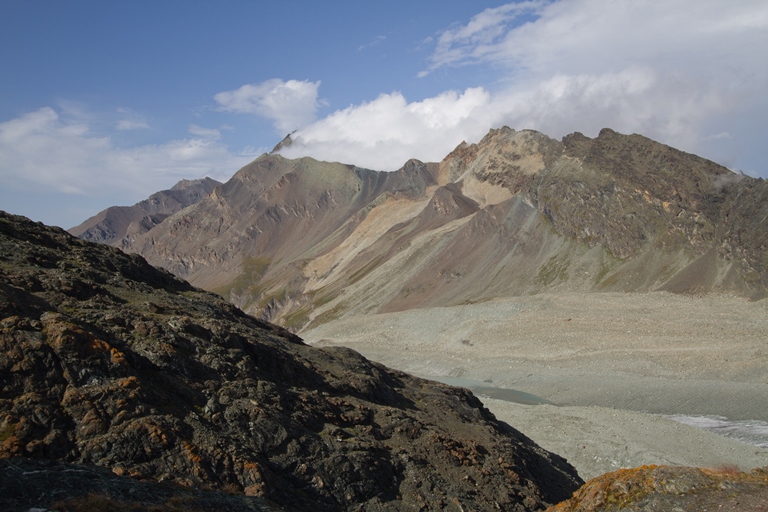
pixel 286 142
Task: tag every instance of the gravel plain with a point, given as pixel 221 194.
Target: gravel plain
pixel 606 367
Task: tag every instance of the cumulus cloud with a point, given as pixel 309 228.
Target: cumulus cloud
pixel 673 71
pixel 290 105
pixel 386 132
pixel 665 69
pixel 39 149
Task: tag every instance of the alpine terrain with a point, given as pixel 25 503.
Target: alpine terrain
pixel 302 242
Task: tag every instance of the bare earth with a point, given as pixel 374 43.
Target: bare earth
pixel 612 363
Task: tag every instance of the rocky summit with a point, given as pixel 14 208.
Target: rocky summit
pixel 114 369
pixel 301 242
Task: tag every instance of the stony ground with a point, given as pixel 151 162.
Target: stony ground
pixel 606 359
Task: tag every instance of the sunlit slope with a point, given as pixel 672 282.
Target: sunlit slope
pixel 301 241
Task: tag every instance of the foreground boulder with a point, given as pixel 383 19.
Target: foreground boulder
pixel 107 361
pixel 684 489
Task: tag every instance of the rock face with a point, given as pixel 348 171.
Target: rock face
pixel 656 488
pixel 119 225
pixel 29 484
pixel 301 242
pixel 106 361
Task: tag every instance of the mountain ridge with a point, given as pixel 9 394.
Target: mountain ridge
pixel 301 241
pixel 119 224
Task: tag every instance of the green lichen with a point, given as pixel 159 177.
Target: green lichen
pixel 7 431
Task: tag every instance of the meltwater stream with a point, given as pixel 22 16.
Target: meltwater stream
pixel 752 432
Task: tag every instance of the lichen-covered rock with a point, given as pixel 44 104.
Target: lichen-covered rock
pixel 106 361
pixel 39 484
pixel 671 488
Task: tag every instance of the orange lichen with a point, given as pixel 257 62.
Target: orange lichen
pixel 191 452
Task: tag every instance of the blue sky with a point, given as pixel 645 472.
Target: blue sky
pixel 104 103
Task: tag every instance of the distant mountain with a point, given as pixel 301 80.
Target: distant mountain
pixel 106 361
pixel 299 241
pixel 118 225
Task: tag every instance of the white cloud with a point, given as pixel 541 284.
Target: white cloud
pixel 667 107
pixel 131 124
pixel 290 105
pixel 589 36
pixel 39 149
pixel 676 71
pixel 375 42
pixel 475 40
pixel 386 132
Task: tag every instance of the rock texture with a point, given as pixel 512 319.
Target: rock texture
pixel 106 361
pixel 120 225
pixel 662 488
pixel 29 484
pixel 301 242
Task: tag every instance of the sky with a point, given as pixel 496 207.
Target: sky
pixel 104 103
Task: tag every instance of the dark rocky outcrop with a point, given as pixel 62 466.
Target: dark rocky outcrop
pixel 28 484
pixel 106 361
pixel 119 225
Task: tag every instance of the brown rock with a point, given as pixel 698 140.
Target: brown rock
pixel 656 488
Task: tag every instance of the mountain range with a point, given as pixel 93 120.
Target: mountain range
pixel 300 242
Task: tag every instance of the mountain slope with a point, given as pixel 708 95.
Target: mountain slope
pixel 518 213
pixel 118 225
pixel 107 361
